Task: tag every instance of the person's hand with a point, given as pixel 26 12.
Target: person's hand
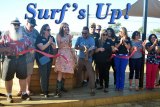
pixel 101 49
pixel 144 43
pixel 155 42
pixel 121 41
pixel 50 40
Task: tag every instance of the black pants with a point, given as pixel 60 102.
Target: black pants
pixel 135 65
pixel 114 70
pixel 104 73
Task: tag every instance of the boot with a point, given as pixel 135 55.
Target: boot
pixel 58 90
pixel 130 84
pixel 136 84
pixel 63 89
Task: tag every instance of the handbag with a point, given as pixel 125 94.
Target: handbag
pixel 44 60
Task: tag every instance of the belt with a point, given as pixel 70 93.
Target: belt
pixel 122 54
pixel 15 57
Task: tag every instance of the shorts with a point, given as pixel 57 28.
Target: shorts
pixel 12 65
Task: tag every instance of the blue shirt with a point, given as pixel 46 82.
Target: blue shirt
pixel 88 42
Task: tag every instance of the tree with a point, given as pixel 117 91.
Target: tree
pixel 140 29
pixel 115 27
pixel 156 31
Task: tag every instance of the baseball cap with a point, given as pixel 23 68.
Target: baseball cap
pixel 32 21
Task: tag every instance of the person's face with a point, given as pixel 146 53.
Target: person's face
pixel 47 31
pixel 109 33
pixel 92 29
pixel 153 38
pixel 66 29
pixel 85 33
pixel 104 35
pixel 30 27
pixel 121 32
pixel 16 26
pixel 137 37
pixel 98 30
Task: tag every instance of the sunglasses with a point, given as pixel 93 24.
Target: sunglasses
pixel 16 24
pixel 84 33
pixel 105 34
pixel 48 30
pixel 93 27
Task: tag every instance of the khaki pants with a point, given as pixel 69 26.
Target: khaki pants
pixel 89 70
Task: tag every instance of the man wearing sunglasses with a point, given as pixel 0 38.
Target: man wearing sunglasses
pixel 30 31
pixel 14 62
pixel 96 37
pixel 85 44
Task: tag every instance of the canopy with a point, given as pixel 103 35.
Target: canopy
pixel 137 9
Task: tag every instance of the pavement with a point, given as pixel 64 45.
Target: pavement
pixel 80 97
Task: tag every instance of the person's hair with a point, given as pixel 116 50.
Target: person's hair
pixel 134 34
pixel 43 29
pixel 61 30
pixel 112 32
pixel 85 28
pixel 150 36
pixel 125 31
pixel 0 33
pixel 101 36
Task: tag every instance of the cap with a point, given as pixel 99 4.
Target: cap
pixel 98 27
pixel 32 21
pixel 93 25
pixel 15 21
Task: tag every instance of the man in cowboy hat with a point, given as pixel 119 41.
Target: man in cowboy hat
pixel 13 62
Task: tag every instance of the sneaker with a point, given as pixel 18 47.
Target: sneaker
pixel 9 99
pixel 26 97
pixel 1 94
pixel 19 93
pixel 46 95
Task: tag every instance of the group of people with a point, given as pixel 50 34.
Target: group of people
pixel 96 48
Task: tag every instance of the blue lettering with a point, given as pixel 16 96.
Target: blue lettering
pixel 82 14
pixel 62 13
pixel 31 10
pixel 99 10
pixel 45 16
pixel 115 12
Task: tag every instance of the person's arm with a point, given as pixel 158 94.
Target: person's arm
pixel 41 46
pixel 77 45
pixel 53 44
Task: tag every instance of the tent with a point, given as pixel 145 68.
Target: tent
pixel 137 8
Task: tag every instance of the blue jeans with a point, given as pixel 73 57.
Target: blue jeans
pixel 120 64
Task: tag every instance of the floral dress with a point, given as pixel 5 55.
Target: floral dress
pixel 61 65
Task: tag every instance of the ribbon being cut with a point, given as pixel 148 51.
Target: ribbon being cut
pixel 45 54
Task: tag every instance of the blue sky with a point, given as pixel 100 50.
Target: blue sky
pixel 10 9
